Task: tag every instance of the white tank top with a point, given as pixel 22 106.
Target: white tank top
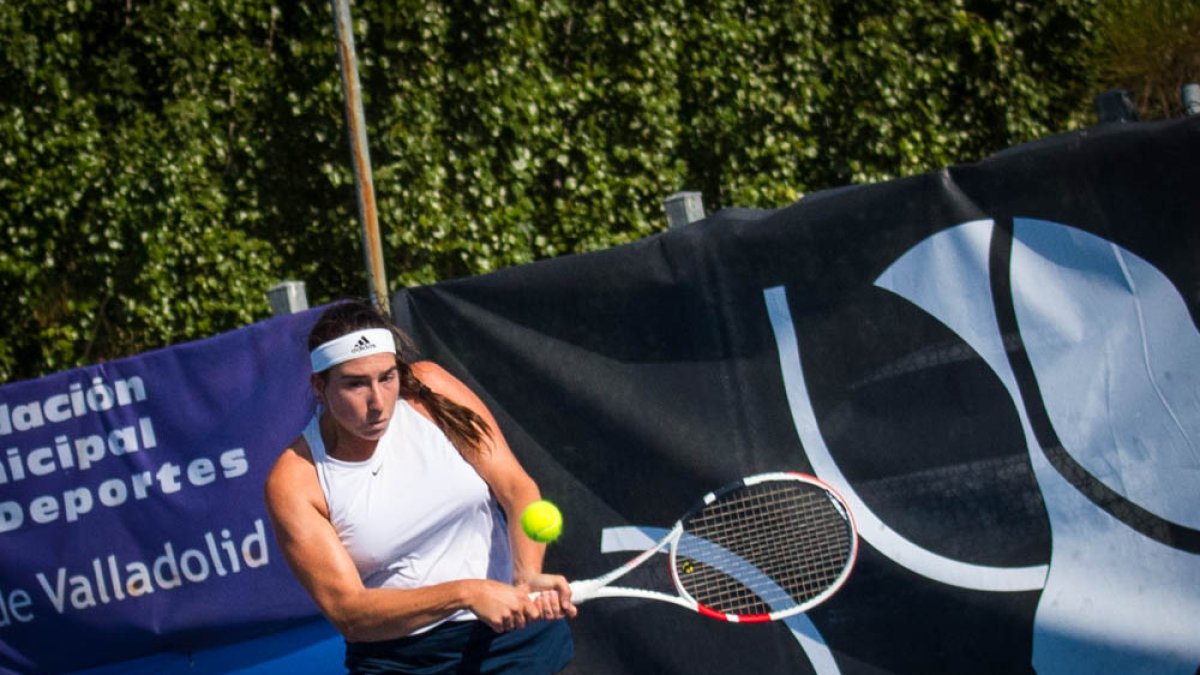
pixel 415 513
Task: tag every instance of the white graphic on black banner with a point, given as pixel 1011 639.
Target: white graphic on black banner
pixel 1112 350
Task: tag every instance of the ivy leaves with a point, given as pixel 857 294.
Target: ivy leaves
pixel 163 163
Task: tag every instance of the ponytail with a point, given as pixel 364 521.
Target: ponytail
pixel 464 427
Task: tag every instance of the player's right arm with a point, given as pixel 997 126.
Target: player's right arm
pixel 296 507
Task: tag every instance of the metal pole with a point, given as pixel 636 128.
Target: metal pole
pixel 1116 105
pixel 683 208
pixel 287 297
pixel 357 128
pixel 1190 93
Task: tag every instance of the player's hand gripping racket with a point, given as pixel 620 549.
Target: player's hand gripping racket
pixel 762 549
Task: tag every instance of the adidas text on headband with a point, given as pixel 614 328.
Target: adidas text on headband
pixel 352 346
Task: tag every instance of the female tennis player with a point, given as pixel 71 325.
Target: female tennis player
pixel 398 510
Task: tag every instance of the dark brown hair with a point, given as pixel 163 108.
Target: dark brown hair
pixel 465 429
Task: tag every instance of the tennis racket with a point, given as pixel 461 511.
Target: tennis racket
pixel 762 549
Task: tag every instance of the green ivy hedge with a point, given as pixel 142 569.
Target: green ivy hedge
pixel 163 163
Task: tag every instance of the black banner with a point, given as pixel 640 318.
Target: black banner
pixel 995 363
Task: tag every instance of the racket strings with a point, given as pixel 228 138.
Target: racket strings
pixel 756 575
pixel 763 548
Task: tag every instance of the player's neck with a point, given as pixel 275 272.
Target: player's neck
pixel 343 445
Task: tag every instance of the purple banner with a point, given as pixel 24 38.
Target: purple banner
pixel 131 511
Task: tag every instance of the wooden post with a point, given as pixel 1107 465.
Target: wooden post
pixel 361 158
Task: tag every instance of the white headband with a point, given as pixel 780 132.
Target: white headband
pixel 353 346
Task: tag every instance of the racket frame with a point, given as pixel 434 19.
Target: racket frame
pixel 600 587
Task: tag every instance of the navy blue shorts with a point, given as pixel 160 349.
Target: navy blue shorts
pixel 468 648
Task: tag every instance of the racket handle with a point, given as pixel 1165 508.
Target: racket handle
pixel 581 591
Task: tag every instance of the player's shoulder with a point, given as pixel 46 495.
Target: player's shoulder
pixel 445 383
pixel 438 379
pixel 431 373
pixel 293 465
pixel 292 483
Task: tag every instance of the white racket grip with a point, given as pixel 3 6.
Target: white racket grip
pixel 581 591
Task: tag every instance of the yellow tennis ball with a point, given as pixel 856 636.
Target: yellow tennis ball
pixel 542 521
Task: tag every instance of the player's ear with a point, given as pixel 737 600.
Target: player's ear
pixel 318 385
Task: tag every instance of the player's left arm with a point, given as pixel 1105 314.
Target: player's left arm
pixel 514 490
